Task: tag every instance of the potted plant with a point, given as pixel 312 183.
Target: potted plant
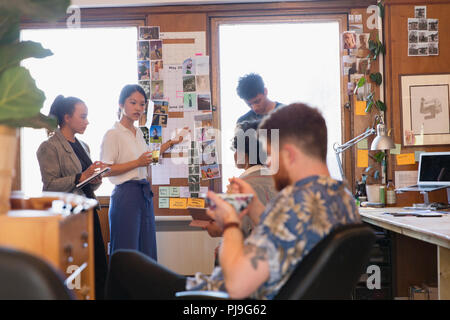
pixel 20 99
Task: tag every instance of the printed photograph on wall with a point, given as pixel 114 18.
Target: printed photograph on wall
pixel 425 109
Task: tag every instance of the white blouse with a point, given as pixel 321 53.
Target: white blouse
pixel 119 145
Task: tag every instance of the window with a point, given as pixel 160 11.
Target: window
pixel 92 64
pixel 299 62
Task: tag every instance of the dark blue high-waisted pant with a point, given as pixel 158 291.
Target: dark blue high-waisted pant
pixel 131 218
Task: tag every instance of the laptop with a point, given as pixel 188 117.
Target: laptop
pixel 434 172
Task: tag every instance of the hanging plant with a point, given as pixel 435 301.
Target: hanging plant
pixel 377 78
pixel 376 47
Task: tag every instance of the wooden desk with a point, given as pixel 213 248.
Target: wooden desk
pixel 435 231
pixel 64 240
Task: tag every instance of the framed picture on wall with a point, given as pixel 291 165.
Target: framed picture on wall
pixel 425 103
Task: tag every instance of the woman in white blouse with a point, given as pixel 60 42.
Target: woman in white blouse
pixel 131 217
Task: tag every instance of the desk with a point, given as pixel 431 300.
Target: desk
pixel 435 231
pixel 63 240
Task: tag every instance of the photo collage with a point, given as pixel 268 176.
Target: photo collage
pixel 356 64
pixel 196 88
pixel 150 62
pixel 203 163
pixel 423 34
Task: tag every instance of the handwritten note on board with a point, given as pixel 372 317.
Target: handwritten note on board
pixel 405 158
pixel 363 158
pixel 360 108
pixel 178 203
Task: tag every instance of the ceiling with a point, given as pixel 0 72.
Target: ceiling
pixel 121 3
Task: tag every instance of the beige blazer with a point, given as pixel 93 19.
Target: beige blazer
pixel 59 164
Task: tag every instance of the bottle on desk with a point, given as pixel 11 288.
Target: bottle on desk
pixel 391 199
pixel 383 194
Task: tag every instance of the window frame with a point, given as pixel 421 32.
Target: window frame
pixel 216 22
pixel 113 20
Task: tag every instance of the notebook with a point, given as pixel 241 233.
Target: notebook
pixel 434 172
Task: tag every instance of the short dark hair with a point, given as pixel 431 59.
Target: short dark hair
pixel 302 125
pixel 249 86
pixel 62 106
pixel 127 91
pixel 250 139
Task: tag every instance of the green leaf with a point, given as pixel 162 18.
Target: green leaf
pixel 369 106
pixel 38 121
pixel 379 156
pixel 9 27
pixel 41 9
pixel 376 174
pixel 380 105
pixel 19 96
pixel 12 54
pixel 377 78
pixel 381 7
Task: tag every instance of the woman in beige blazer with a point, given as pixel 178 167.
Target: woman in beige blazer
pixel 65 161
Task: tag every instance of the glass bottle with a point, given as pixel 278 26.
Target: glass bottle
pixel 391 199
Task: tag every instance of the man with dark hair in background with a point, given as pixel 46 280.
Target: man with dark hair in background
pixel 252 90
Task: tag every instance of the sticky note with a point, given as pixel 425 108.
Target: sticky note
pixel 360 108
pixel 174 191
pixel 163 203
pixel 417 155
pixel 163 191
pixel 397 150
pixel 405 158
pixel 178 203
pixel 363 158
pixel 196 203
pixel 363 144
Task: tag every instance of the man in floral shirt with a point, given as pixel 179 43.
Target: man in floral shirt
pixel 308 207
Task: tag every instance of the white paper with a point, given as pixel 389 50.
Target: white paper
pixel 173 86
pixel 169 168
pixel 177 53
pixel 405 178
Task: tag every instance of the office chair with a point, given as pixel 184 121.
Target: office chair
pixel 26 277
pixel 330 271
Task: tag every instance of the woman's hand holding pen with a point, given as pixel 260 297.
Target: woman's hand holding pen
pixel 145 159
pixel 97 165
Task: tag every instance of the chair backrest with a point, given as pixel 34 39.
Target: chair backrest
pixel 26 277
pixel 333 267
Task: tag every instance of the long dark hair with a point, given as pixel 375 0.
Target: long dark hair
pixel 127 91
pixel 62 106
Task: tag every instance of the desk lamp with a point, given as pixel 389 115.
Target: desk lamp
pixel 381 142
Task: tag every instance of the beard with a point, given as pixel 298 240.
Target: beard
pixel 281 178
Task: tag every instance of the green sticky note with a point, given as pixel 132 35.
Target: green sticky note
pixel 174 191
pixel 397 150
pixel 163 191
pixel 163 203
pixel 363 144
pixel 417 155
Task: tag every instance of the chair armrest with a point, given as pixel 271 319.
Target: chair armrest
pixel 202 295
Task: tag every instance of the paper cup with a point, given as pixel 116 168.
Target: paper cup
pixel 373 192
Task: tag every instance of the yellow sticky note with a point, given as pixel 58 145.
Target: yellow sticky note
pixel 360 108
pixel 363 158
pixel 405 158
pixel 178 203
pixel 196 203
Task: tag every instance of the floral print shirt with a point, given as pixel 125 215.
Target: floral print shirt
pixel 293 223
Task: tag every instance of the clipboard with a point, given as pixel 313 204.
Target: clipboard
pixel 95 175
